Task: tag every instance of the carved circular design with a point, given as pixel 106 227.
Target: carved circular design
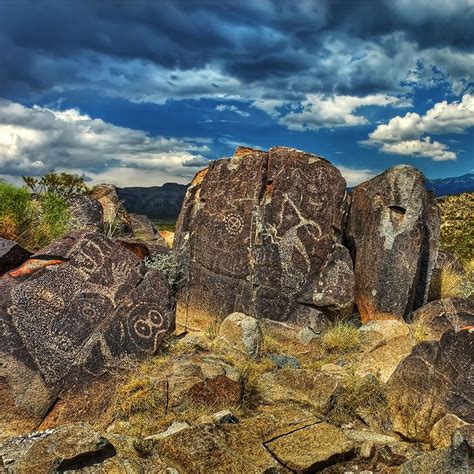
pixel 233 223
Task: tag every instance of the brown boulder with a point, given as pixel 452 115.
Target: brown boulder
pixel 393 233
pixel 437 378
pixel 86 213
pixel 440 316
pixel 255 233
pixel 12 255
pixel 95 309
pixel 116 218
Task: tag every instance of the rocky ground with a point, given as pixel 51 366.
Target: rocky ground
pixel 291 328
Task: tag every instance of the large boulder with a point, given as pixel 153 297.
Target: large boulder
pixel 440 316
pixel 257 233
pixel 437 378
pixel 393 234
pixel 12 255
pixel 80 308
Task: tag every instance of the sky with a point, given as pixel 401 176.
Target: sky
pixel 139 93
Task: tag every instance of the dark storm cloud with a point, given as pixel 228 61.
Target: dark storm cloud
pixel 279 49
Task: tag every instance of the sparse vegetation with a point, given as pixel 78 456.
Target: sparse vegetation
pixel 457 226
pixel 343 337
pixel 32 221
pixel 360 397
pixel 166 264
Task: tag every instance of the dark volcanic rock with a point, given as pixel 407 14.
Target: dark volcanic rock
pixel 116 218
pixel 12 255
pixel 89 309
pixel 86 212
pixel 442 315
pixel 256 234
pixel 437 378
pixel 160 202
pixel 393 232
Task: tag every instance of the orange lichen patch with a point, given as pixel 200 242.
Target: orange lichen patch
pixel 199 176
pixel 168 236
pixel 467 328
pixel 244 150
pixel 369 313
pixel 31 266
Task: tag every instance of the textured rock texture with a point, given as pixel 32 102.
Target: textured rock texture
pixel 393 233
pixel 440 316
pixel 87 306
pixel 12 255
pixel 437 378
pixel 86 212
pixel 442 432
pixel 241 334
pixel 257 233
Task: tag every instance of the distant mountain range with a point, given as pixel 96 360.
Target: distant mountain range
pixel 448 186
pixel 164 202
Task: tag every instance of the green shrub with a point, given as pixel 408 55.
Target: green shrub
pixel 33 222
pixel 60 184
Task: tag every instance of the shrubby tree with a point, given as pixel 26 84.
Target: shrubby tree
pixel 59 184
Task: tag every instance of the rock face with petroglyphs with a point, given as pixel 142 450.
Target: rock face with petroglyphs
pixel 76 310
pixel 257 234
pixel 393 233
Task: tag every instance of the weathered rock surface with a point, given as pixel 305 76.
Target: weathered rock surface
pixel 256 232
pixel 443 315
pixel 12 255
pixel 299 385
pixel 85 307
pixel 86 213
pixel 116 218
pixel 68 448
pixel 241 334
pixel 385 344
pixel 393 232
pixel 437 378
pixel 442 432
pixel 311 448
pixel 200 381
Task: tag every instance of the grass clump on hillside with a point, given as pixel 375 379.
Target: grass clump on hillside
pixel 31 221
pixel 343 337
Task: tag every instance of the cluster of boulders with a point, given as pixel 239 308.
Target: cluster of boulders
pixel 267 244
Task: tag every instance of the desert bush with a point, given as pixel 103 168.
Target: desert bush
pixel 32 221
pixel 166 264
pixel 342 337
pixel 59 184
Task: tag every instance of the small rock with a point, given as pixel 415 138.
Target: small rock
pixel 224 417
pixel 311 448
pixel 283 360
pixel 443 430
pixel 175 427
pixel 367 450
pixel 241 333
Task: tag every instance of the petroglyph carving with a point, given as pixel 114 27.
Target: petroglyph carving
pixel 233 224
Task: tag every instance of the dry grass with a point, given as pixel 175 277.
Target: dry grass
pixel 451 283
pixel 360 395
pixel 343 337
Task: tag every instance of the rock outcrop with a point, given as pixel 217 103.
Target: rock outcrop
pixel 86 213
pixel 258 233
pixel 443 315
pixel 393 232
pixel 12 255
pixel 116 218
pixel 79 308
pixel 437 378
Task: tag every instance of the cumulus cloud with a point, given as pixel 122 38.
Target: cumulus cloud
pixel 337 111
pixel 355 176
pixel 410 134
pixel 36 140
